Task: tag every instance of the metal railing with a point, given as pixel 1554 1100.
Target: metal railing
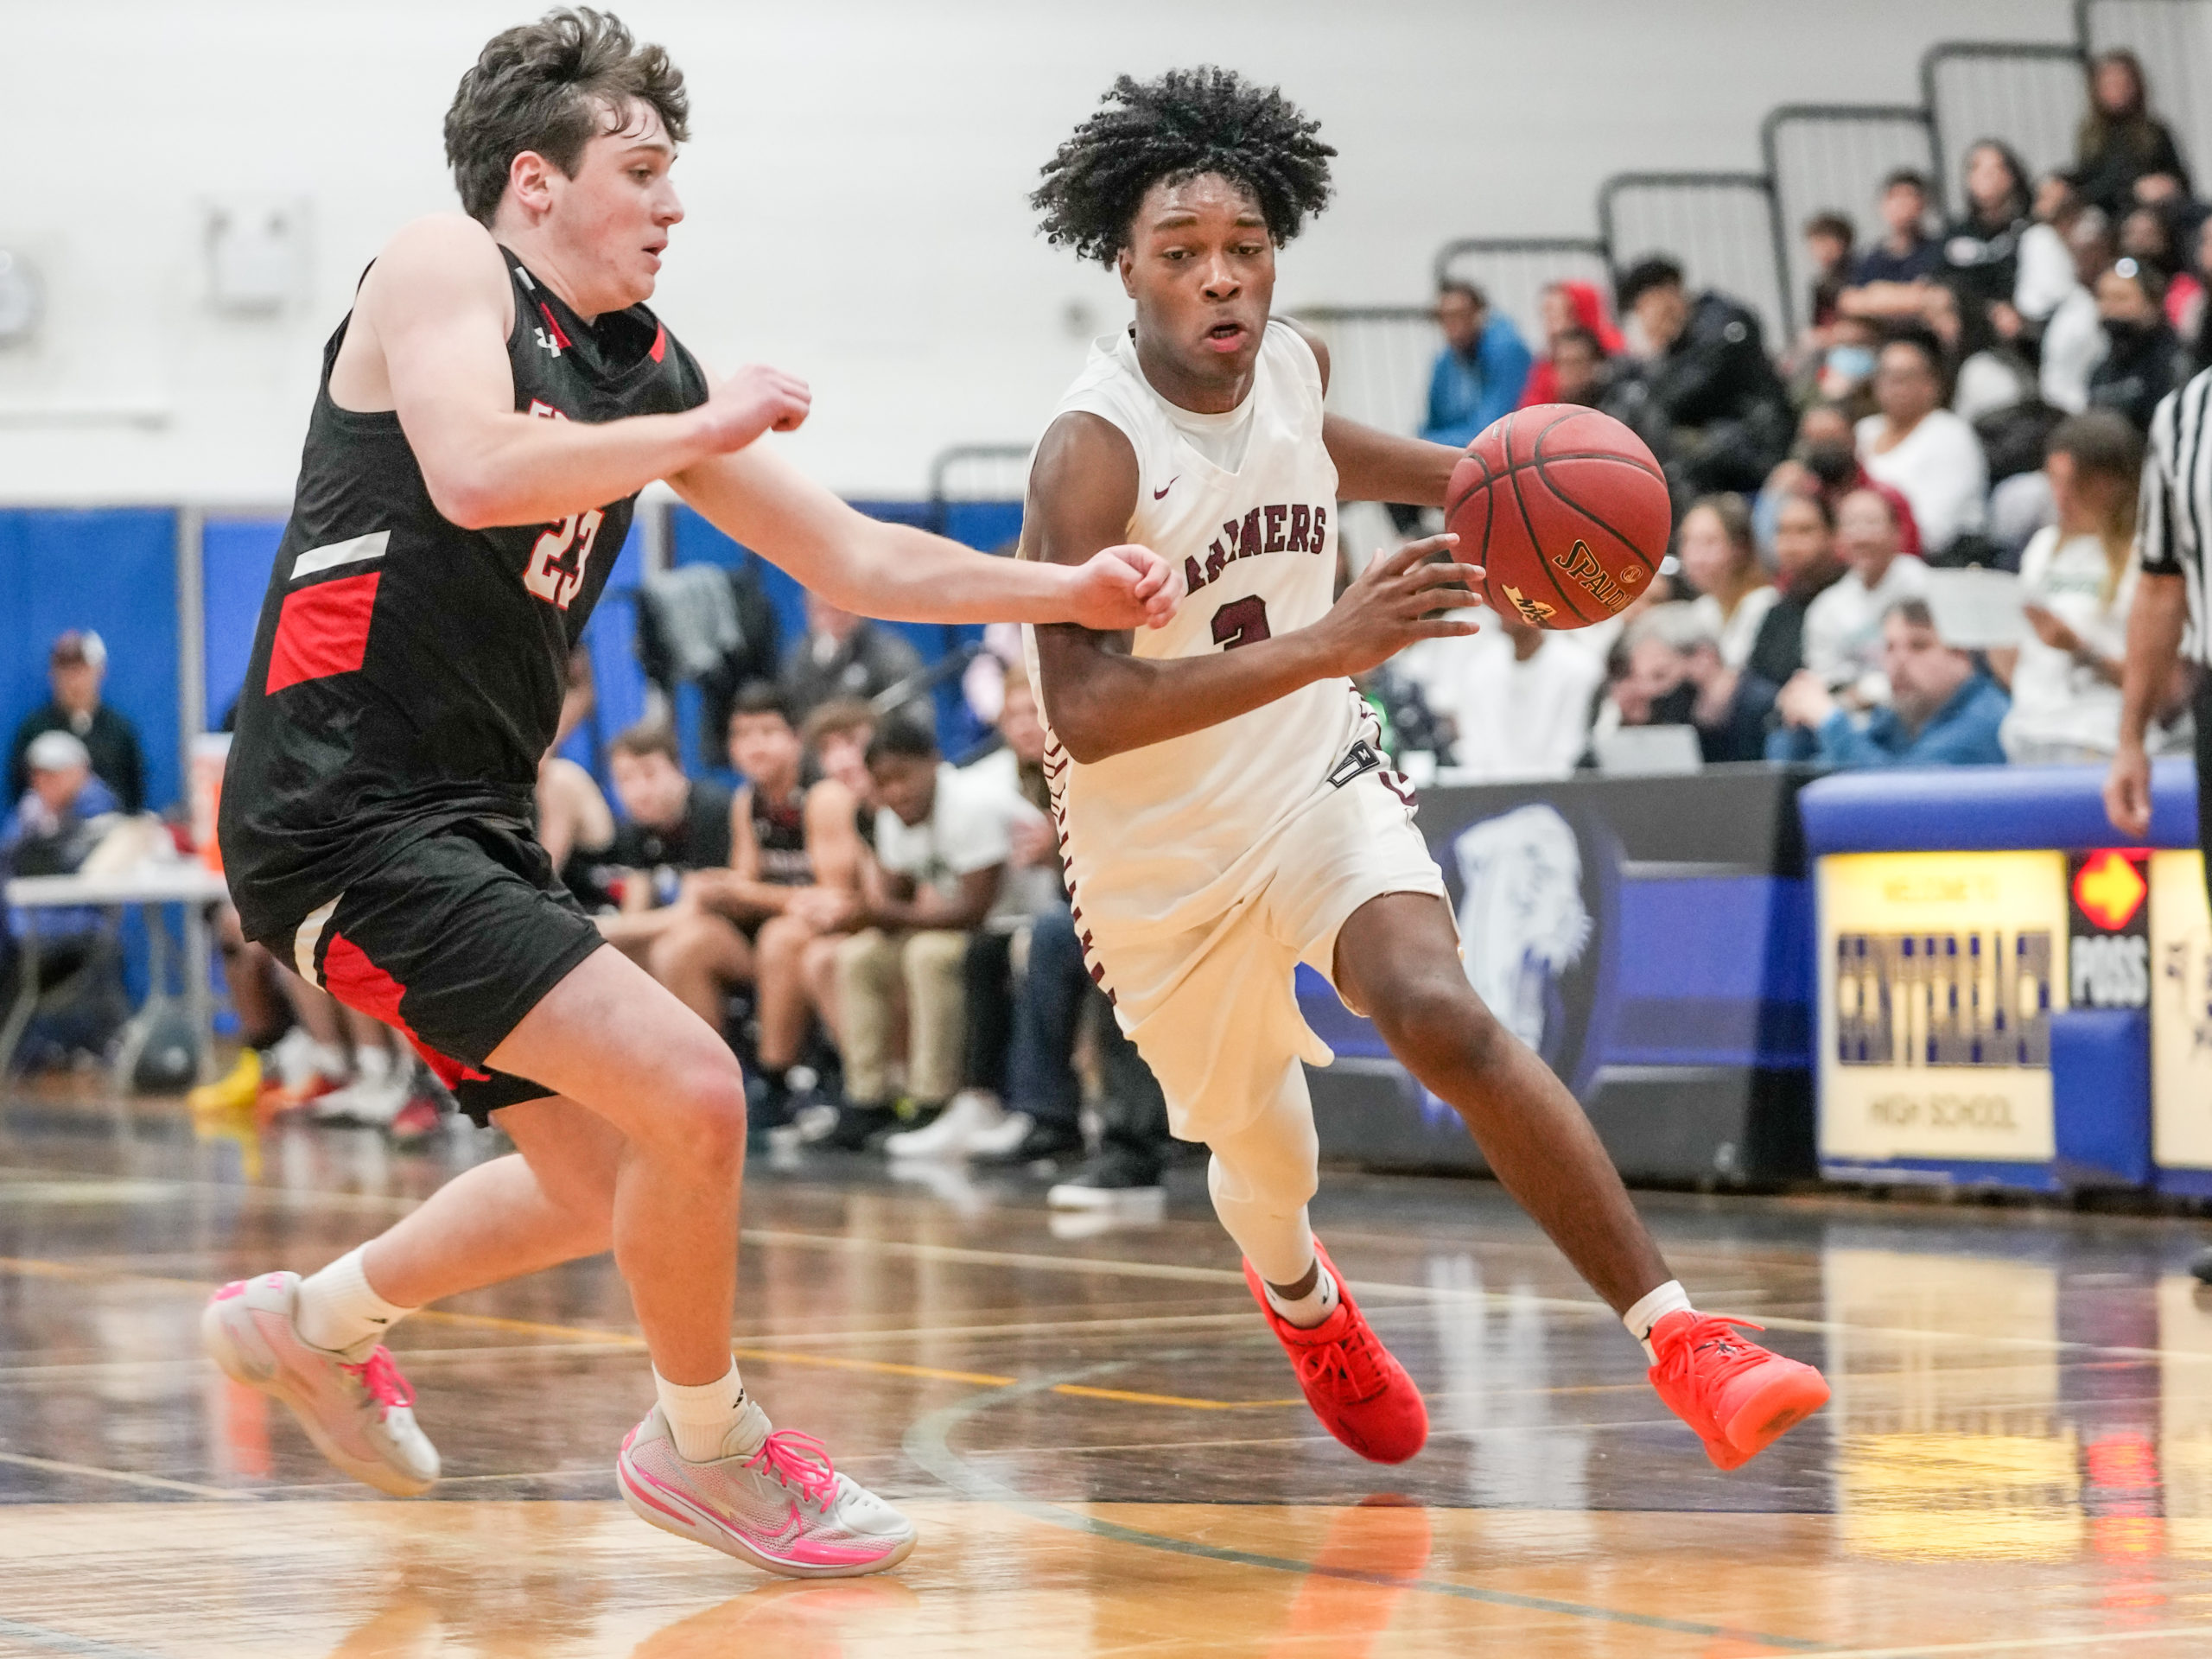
pixel 1721 226
pixel 1833 157
pixel 977 491
pixel 1513 273
pixel 1379 360
pixel 2028 95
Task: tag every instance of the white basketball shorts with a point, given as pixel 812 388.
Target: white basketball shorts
pixel 1214 1010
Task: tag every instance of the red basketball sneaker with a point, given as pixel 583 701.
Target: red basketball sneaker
pixel 1738 1397
pixel 1360 1393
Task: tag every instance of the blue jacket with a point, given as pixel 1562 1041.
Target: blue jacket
pixel 1466 394
pixel 1962 733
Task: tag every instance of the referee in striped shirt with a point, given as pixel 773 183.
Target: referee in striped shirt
pixel 2173 536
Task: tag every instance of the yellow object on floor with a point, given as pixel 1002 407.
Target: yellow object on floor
pixel 235 1091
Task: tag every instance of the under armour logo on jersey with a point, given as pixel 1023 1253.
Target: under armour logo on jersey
pixel 546 341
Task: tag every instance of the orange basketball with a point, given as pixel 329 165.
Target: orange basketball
pixel 1565 511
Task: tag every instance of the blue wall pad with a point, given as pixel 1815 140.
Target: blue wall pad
pixel 112 569
pixel 235 558
pixel 1987 808
pixel 2100 1096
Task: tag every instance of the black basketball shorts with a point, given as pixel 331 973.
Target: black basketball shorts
pixel 450 942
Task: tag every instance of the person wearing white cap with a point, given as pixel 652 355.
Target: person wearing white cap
pixel 43 837
pixel 77 667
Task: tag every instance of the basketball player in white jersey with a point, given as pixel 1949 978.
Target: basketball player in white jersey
pixel 1222 802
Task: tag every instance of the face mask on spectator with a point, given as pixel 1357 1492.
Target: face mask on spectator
pixel 1675 708
pixel 1851 363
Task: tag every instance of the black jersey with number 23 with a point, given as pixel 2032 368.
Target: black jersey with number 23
pixel 407 673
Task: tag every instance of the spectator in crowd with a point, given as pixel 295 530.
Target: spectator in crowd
pixel 1943 711
pixel 2073 336
pixel 2077 582
pixel 1987 376
pixel 1706 397
pixel 1518 698
pixel 1805 555
pixel 1842 373
pixel 1675 647
pixel 844 655
pixel 2143 359
pixel 1721 560
pixel 2195 326
pixel 1829 240
pixel 1889 279
pixel 2120 143
pixel 1981 248
pixel 942 843
pixel 76 668
pixel 1825 462
pixel 2047 274
pixel 52 831
pixel 976 1119
pixel 709 946
pixel 1928 454
pixel 1574 314
pixel 576 826
pixel 1843 626
pixel 795 957
pixel 672 825
pixel 1479 373
pixel 1578 365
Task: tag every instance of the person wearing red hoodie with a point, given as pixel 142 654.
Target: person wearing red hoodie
pixel 1567 307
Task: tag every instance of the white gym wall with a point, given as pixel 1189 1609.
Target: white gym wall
pixel 855 183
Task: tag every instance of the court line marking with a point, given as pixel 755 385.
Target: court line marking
pixel 2085 1641
pixel 62 1641
pixel 1367 1289
pixel 928 1442
pixel 585 1334
pixel 159 1483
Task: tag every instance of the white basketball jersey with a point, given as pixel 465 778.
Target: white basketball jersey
pixel 1156 839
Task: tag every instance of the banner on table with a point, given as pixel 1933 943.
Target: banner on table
pixel 2181 1012
pixel 1939 975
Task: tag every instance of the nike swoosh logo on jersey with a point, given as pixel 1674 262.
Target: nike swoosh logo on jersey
pixel 1162 491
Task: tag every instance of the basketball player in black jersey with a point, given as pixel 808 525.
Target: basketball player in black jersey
pixel 486 416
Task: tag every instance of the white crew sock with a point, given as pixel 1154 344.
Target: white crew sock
pixel 1654 1306
pixel 1316 1304
pixel 701 1416
pixel 372 1064
pixel 338 1311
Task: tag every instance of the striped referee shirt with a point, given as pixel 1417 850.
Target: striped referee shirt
pixel 2174 529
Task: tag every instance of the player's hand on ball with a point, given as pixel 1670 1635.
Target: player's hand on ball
pixel 1401 598
pixel 1127 586
pixel 754 400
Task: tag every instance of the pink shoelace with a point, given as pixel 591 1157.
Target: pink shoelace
pixel 800 1462
pixel 381 1378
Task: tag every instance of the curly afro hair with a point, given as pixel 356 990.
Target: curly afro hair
pixel 1187 122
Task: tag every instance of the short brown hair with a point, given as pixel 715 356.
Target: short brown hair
pixel 649 737
pixel 547 87
pixel 839 717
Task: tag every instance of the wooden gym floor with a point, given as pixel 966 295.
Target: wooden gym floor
pixel 1102 1443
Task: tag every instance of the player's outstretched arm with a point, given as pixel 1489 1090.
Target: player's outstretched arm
pixel 902 574
pixel 1373 465
pixel 1103 701
pixel 437 308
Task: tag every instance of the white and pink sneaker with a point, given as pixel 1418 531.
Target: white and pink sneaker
pixel 782 1508
pixel 359 1415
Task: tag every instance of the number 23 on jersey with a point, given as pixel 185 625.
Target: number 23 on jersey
pixel 552 574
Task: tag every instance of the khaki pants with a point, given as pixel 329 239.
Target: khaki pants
pixel 876 971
